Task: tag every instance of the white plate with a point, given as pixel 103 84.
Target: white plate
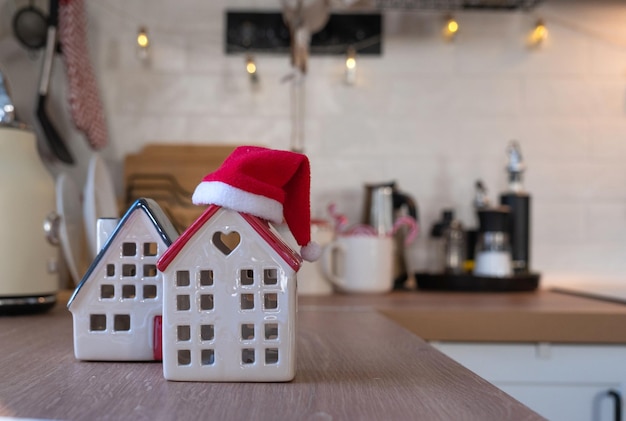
pixel 71 228
pixel 100 200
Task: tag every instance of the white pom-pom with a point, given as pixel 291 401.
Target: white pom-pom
pixel 311 252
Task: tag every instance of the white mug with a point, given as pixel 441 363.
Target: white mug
pixel 359 263
pixel 311 281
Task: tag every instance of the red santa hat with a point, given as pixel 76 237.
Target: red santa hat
pixel 271 184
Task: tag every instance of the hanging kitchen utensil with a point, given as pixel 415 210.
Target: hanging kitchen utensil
pixel 297 99
pixel 30 27
pixel 303 18
pixel 85 104
pixel 56 144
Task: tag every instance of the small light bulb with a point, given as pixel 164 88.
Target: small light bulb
pixel 539 34
pixel 142 38
pixel 143 42
pixel 251 69
pixel 350 66
pixel 451 28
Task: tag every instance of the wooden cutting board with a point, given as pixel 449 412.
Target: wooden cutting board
pixel 169 173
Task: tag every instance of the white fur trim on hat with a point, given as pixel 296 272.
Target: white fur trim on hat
pixel 311 252
pixel 225 195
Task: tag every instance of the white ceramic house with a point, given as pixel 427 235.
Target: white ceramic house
pixel 118 304
pixel 229 301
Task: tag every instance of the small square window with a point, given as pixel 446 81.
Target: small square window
pixel 270 301
pixel 107 291
pixel 129 249
pixel 182 278
pixel 121 322
pixel 206 301
pixel 128 291
pixel 110 270
pixel 271 331
pixel 247 355
pixel 97 322
pixel 247 331
pixel 149 291
pixel 207 357
pixel 270 276
pixel 150 249
pixel 149 271
pixel 207 332
pixel 206 278
pixel 182 302
pixel 183 332
pixel 129 270
pixel 184 357
pixel 247 277
pixel 271 356
pixel 247 301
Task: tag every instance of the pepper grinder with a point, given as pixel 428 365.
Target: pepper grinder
pixel 518 200
pixel 437 234
pixel 454 248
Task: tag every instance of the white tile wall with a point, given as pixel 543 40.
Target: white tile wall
pixel 434 116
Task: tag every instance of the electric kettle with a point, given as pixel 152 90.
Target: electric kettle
pixel 383 204
pixel 28 261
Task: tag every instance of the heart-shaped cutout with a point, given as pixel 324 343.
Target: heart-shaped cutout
pixel 226 243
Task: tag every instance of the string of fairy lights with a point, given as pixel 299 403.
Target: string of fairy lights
pixel 537 35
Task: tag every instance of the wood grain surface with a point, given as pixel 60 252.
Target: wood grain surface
pixel 539 316
pixel 353 364
pixel 169 173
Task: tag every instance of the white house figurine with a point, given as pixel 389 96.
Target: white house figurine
pixel 118 304
pixel 229 301
pixel 217 303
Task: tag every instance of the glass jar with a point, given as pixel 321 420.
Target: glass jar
pixel 493 249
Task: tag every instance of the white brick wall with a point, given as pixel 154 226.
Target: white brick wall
pixel 434 116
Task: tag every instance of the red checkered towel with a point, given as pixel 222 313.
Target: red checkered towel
pixel 85 104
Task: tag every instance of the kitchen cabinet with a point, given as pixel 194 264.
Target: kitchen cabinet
pixel 566 382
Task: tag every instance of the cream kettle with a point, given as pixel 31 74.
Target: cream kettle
pixel 28 261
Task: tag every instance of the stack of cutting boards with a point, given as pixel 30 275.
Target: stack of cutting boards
pixel 169 173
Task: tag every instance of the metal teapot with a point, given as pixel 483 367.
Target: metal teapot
pixel 383 204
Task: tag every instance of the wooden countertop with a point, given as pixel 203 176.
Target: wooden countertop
pixel 353 363
pixel 538 316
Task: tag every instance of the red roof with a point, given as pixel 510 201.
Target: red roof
pixel 262 227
